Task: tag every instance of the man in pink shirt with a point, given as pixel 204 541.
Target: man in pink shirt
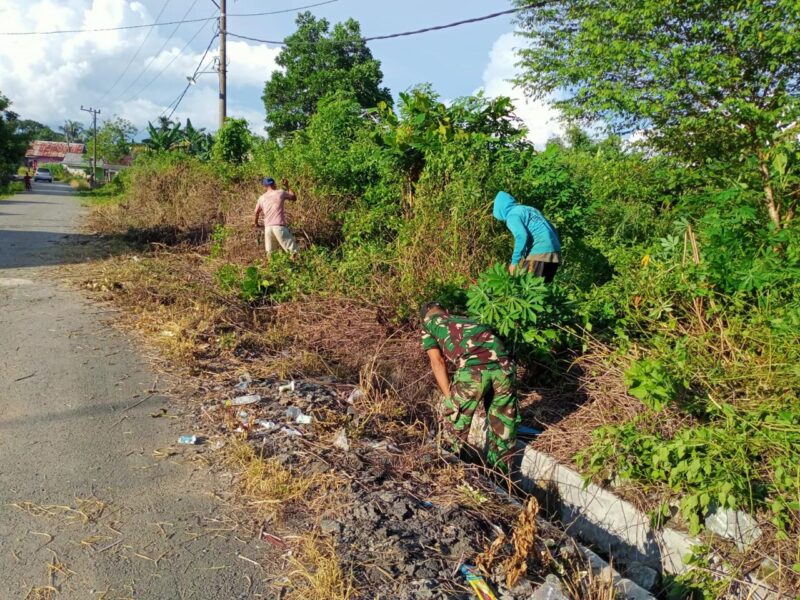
pixel 270 205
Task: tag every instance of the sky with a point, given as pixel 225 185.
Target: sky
pixel 138 73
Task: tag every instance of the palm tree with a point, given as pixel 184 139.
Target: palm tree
pixel 72 131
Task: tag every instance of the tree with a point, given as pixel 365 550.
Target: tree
pixel 33 130
pixel 171 136
pixel 233 142
pixel 197 141
pixel 12 142
pixel 114 140
pixel 318 62
pixel 166 136
pixel 72 130
pixel 708 80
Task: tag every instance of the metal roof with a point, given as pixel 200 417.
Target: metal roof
pixel 44 149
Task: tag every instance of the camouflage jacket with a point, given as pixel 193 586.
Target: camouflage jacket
pixel 463 341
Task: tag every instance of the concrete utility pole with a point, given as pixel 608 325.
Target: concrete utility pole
pixel 94 114
pixel 223 67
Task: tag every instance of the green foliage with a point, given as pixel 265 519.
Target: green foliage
pixel 171 136
pixel 13 142
pixel 248 283
pixel 33 130
pixel 650 381
pixel 59 172
pixel 218 237
pixel 114 140
pixel 233 142
pixel 708 80
pixel 318 62
pixel 522 308
pixel 739 459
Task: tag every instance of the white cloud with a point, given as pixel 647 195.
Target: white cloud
pixel 541 119
pixel 49 77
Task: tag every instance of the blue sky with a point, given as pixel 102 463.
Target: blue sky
pixel 49 77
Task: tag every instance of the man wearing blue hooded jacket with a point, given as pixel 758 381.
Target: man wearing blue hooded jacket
pixel 535 239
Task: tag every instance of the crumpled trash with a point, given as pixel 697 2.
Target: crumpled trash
pixel 290 432
pixel 189 439
pixel 244 382
pixel 356 394
pixel 244 400
pixel 266 425
pixel 288 387
pixel 340 441
pixel 550 590
pixel 298 416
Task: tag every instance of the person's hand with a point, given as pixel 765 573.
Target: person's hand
pixel 285 182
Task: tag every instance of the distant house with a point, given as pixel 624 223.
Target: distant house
pixel 77 164
pixel 40 152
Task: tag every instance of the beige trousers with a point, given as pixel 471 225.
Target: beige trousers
pixel 277 237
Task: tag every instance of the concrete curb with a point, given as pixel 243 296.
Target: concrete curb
pixel 598 517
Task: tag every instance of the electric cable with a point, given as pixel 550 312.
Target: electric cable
pixel 154 56
pixel 174 58
pixel 179 99
pixel 135 54
pixel 181 22
pixel 413 32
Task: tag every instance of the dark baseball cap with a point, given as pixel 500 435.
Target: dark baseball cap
pixel 268 181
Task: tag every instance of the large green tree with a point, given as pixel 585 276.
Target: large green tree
pixel 114 140
pixel 12 142
pixel 707 80
pixel 33 130
pixel 317 62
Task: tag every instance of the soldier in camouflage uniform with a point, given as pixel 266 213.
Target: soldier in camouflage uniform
pixel 484 371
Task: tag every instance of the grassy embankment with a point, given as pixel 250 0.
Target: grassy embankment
pixel 664 360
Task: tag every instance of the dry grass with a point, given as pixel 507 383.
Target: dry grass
pixel 316 573
pixel 86 510
pixel 41 593
pixel 271 489
pixel 523 540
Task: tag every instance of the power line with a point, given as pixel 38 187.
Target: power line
pixel 153 58
pixel 181 22
pixel 174 58
pixel 135 54
pixel 415 31
pixel 179 99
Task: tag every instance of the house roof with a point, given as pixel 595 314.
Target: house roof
pixel 74 158
pixel 44 149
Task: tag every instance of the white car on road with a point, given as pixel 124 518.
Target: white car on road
pixel 43 175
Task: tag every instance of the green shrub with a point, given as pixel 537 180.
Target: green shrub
pixel 522 308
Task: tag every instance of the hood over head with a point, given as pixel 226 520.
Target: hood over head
pixel 503 203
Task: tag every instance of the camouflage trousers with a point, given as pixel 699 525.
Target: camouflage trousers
pixel 494 385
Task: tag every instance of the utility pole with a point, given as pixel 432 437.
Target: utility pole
pixel 223 67
pixel 94 114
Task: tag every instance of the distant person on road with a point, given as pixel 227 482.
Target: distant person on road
pixel 536 242
pixel 484 372
pixel 270 206
pixel 27 179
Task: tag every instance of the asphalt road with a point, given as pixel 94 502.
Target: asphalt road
pixel 97 499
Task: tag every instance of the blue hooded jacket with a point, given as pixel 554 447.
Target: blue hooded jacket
pixel 533 234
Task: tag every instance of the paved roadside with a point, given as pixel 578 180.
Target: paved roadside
pixel 96 498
